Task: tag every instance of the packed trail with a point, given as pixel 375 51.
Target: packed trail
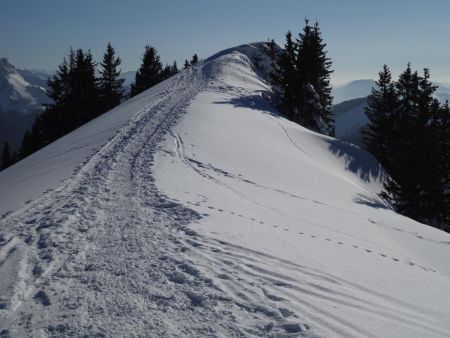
pixel 196 210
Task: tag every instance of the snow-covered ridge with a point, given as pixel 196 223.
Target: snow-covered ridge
pixel 195 209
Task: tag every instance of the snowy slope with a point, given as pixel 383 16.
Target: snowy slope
pixel 194 209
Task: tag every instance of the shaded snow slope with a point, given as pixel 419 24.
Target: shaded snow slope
pixel 196 210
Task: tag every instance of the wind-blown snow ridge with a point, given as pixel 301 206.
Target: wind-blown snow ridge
pixel 194 209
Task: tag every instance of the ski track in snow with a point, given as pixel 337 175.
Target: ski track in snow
pixel 133 271
pixel 108 254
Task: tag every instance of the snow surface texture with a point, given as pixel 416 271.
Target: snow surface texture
pixel 194 209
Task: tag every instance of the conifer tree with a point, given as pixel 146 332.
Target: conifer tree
pixel 186 64
pixel 313 81
pixel 409 132
pixel 74 91
pixel 380 110
pixel 110 83
pixel 150 72
pixel 302 76
pixel 6 156
pixel 194 59
pixel 166 72
pixel 174 69
pixel 284 77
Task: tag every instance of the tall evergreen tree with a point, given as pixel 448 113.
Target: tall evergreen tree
pixel 313 81
pixel 409 132
pixel 194 59
pixel 6 156
pixel 284 77
pixel 110 83
pixel 302 76
pixel 174 68
pixel 150 72
pixel 186 64
pixel 166 72
pixel 381 109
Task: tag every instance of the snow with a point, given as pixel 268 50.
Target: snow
pixel 195 209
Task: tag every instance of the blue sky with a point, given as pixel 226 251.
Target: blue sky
pixel 361 35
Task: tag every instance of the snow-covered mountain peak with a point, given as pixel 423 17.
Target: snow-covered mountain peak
pixel 5 66
pixel 17 94
pixel 196 209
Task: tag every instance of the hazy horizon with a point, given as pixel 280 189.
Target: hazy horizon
pixel 360 37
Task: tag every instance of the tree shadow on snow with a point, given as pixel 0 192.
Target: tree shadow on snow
pixel 357 160
pixel 255 102
pixel 371 201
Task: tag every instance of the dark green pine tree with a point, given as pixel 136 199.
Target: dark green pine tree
pixel 83 100
pixel 166 72
pixel 284 77
pixel 418 183
pixel 194 59
pixel 314 100
pixel 174 69
pixel 150 72
pixel 441 170
pixel 110 83
pixel 381 108
pixel 273 49
pixel 75 95
pixel 6 156
pixel 186 64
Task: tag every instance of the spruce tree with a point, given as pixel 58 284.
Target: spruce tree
pixel 174 69
pixel 186 64
pixel 110 83
pixel 194 59
pixel 302 78
pixel 150 72
pixel 284 77
pixel 380 110
pixel 166 72
pixel 83 100
pixel 409 132
pixel 6 156
pixel 313 81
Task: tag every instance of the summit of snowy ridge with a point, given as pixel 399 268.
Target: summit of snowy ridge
pixel 196 210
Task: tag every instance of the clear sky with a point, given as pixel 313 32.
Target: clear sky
pixel 361 35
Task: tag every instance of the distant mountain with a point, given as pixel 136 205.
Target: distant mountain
pixel 16 93
pixel 35 77
pixel 350 119
pixel 352 90
pixel 22 93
